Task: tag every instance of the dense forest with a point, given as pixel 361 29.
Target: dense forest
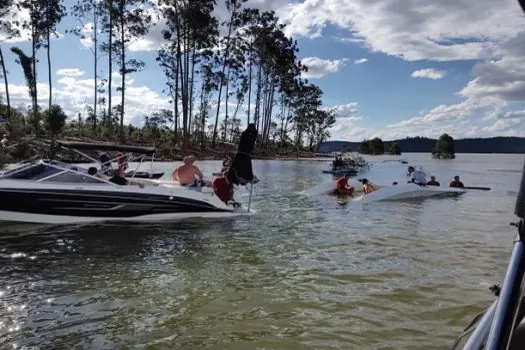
pixel 426 145
pixel 244 60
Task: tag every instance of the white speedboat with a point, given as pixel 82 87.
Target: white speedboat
pixel 405 191
pixel 52 192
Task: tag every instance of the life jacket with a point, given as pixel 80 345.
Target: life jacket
pixel 341 183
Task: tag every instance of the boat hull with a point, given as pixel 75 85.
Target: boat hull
pixel 23 201
pixel 409 191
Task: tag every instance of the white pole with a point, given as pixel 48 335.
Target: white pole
pixel 250 199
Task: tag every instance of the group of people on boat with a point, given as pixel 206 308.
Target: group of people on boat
pixel 418 177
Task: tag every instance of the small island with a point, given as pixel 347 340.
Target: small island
pixel 376 146
pixel 444 148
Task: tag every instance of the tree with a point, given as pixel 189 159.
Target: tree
pixel 26 63
pixel 55 120
pixel 394 149
pixel 89 13
pixel 9 30
pixel 131 22
pixel 444 148
pixel 52 14
pixel 374 146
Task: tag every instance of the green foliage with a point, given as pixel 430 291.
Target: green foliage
pixel 54 119
pixel 394 149
pixel 374 146
pixel 444 148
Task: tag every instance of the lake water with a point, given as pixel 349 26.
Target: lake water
pixel 303 273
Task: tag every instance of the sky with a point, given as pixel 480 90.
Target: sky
pixel 389 68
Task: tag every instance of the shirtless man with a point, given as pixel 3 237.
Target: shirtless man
pixel 185 173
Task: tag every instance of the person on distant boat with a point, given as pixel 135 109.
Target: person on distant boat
pixel 433 181
pixel 367 187
pixel 417 176
pixel 224 190
pixel 456 183
pixel 342 187
pixel 188 174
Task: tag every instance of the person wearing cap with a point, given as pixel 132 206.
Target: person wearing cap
pixel 187 173
pixel 433 181
pixel 342 187
pixel 416 176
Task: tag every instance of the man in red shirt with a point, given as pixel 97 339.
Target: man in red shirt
pixel 342 187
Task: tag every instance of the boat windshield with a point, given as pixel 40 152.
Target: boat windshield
pixel 44 172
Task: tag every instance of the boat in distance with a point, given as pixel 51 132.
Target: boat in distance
pixel 52 192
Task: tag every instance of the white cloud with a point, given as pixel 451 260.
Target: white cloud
pixel 74 94
pixel 318 67
pixel 429 73
pixel 361 60
pixel 348 110
pixel 70 72
pixel 412 30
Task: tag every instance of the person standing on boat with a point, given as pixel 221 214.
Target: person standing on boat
pixel 122 164
pixel 433 181
pixel 240 171
pixel 188 174
pixel 417 176
pixel 456 183
pixel 224 190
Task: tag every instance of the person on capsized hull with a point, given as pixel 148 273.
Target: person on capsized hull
pixel 342 187
pixel 367 187
pixel 456 183
pixel 433 181
pixel 416 176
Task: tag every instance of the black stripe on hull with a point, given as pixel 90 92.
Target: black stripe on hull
pixel 84 203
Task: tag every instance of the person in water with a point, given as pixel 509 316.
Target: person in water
pixel 456 183
pixel 433 181
pixel 188 174
pixel 417 176
pixel 367 187
pixel 342 187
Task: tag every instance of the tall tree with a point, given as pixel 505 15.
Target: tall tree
pixel 36 10
pixel 53 12
pixel 192 31
pixel 131 22
pixel 26 63
pixel 8 29
pixel 233 23
pixel 89 13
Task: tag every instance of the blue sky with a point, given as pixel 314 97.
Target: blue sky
pixel 389 68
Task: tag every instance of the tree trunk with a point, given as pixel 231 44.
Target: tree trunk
pixel 110 64
pixel 6 83
pixel 249 88
pixel 123 66
pixel 192 86
pixel 49 68
pixel 95 20
pixel 226 105
pixel 35 92
pixel 224 64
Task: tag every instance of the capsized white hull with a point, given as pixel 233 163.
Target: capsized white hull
pixel 10 216
pixel 407 191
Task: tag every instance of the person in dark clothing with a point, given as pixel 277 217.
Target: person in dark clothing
pixel 433 181
pixel 241 172
pixel 456 183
